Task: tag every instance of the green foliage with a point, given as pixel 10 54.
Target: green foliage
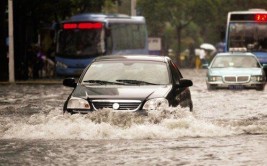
pixel 153 11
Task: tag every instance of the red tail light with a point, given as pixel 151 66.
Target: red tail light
pixel 89 25
pixel 69 26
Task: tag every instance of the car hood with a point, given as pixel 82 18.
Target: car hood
pixel 121 92
pixel 235 71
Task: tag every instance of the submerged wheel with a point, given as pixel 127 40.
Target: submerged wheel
pixel 210 87
pixel 260 87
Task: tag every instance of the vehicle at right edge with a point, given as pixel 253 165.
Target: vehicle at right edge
pixel 235 70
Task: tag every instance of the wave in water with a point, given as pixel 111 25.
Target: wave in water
pixel 170 123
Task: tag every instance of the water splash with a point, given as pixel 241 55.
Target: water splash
pixel 106 124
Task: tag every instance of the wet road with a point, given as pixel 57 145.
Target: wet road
pixel 226 128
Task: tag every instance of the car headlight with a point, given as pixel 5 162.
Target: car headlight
pixel 215 78
pixel 156 104
pixel 257 78
pixel 78 103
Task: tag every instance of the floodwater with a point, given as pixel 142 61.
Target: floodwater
pixel 227 127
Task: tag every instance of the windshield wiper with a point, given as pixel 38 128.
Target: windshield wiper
pixel 102 82
pixel 136 82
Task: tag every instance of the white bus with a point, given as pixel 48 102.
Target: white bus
pixel 247 31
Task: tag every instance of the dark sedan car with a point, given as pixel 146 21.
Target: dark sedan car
pixel 128 83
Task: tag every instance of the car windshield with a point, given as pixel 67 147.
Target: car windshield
pixel 235 61
pixel 138 72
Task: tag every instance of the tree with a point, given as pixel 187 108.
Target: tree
pixel 180 16
pixel 178 13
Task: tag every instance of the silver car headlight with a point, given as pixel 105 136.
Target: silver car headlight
pixel 156 104
pixel 78 103
pixel 215 78
pixel 257 78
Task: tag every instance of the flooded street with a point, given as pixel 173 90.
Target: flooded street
pixel 227 127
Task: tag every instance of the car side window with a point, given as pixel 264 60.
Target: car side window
pixel 176 73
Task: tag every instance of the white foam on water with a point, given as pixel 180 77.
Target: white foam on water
pixel 168 124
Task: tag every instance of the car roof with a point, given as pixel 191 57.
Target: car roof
pixel 138 57
pixel 235 54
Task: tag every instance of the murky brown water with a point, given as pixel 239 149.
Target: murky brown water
pixel 226 128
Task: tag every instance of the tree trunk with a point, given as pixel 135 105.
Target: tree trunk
pixel 178 33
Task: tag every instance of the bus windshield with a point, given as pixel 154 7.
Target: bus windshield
pixel 251 35
pixel 80 43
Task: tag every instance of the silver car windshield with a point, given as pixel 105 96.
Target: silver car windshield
pixel 235 61
pixel 127 72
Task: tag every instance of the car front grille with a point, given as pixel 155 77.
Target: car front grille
pixel 236 79
pixel 129 105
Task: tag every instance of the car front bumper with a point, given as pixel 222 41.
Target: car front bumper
pixel 235 85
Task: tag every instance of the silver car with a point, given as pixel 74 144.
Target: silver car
pixel 235 70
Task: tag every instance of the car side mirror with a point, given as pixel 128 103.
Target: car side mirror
pixel 69 82
pixel 185 83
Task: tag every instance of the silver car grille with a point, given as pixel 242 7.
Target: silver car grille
pixel 236 79
pixel 129 105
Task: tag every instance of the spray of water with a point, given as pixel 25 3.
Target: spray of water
pixel 106 124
